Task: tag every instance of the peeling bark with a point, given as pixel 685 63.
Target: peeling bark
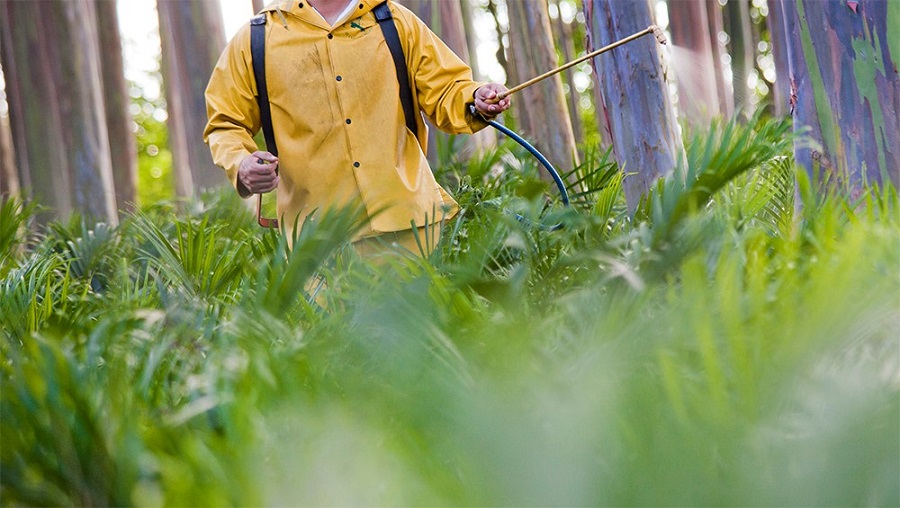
pixel 634 100
pixel 843 65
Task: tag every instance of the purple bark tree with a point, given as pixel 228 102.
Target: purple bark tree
pixel 633 97
pixel 843 64
pixel 781 92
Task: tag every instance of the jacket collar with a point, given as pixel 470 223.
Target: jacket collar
pixel 281 9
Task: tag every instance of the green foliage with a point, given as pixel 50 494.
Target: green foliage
pixel 732 342
pixel 155 179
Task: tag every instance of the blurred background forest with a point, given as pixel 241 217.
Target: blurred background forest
pixel 103 104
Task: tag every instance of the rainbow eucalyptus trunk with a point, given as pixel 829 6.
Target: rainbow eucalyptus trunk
pixel 781 91
pixel 697 91
pixel 633 97
pixel 547 123
pixel 122 145
pixel 742 51
pixel 723 87
pixel 58 119
pixel 192 38
pixel 843 64
pixel 445 19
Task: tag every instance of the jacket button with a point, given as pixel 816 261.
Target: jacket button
pixel 330 36
pixel 348 121
pixel 355 164
pixel 338 78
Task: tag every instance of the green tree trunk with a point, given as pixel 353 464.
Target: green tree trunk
pixel 51 58
pixel 633 97
pixel 192 38
pixel 698 97
pixel 781 91
pixel 740 32
pixel 123 148
pixel 843 64
pixel 547 123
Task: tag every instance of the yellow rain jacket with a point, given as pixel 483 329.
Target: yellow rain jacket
pixel 336 113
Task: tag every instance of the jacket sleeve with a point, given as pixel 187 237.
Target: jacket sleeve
pixel 232 108
pixel 443 82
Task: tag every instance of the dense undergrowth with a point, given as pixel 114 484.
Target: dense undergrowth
pixel 733 341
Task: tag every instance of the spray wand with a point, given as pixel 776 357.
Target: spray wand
pixel 564 195
pixel 652 29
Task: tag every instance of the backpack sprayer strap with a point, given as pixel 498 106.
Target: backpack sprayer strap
pixel 386 21
pixel 258 55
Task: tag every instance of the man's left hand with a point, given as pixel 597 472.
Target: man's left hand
pixel 486 100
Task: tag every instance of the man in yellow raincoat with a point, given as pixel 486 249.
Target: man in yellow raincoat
pixel 337 116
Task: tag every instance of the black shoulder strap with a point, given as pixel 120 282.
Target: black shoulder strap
pixel 389 29
pixel 258 55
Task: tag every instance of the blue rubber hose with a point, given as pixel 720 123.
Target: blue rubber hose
pixel 564 195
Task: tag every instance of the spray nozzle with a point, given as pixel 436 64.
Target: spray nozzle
pixel 658 33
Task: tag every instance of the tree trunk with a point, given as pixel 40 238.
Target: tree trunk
pixel 9 179
pixel 781 91
pixel 698 98
pixel 723 87
pixel 531 43
pixel 843 64
pixel 61 143
pixel 123 148
pixel 445 18
pixel 468 19
pixel 742 51
pixel 563 34
pixel 193 37
pixel 501 50
pixel 634 99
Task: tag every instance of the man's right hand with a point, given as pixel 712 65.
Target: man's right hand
pixel 257 173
